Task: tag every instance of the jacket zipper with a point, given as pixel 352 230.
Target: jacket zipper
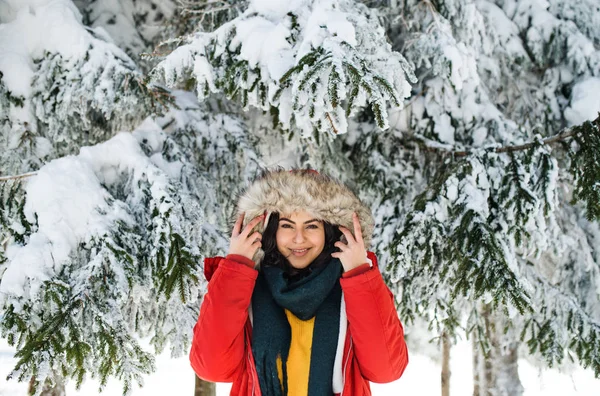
pixel 346 365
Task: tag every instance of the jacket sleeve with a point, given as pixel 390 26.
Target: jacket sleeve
pixel 219 345
pixel 376 331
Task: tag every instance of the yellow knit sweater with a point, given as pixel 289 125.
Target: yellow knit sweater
pixel 298 362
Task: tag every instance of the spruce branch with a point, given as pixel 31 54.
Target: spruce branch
pixel 13 222
pixel 446 241
pixel 585 167
pixel 585 160
pixel 516 196
pixel 323 86
pixel 543 338
pixel 180 271
pixel 61 336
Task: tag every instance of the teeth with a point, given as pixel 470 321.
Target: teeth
pixel 299 251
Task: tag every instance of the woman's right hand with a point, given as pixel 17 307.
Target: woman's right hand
pixel 243 244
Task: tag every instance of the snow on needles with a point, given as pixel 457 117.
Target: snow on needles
pixel 309 59
pixel 36 36
pixel 39 26
pixel 72 207
pixel 264 43
pixel 585 101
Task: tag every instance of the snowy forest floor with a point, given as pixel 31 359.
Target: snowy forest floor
pixel 175 377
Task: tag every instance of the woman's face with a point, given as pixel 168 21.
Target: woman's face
pixel 300 238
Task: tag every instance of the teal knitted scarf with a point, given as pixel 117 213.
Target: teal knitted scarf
pixel 318 294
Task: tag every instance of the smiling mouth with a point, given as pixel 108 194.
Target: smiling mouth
pixel 299 252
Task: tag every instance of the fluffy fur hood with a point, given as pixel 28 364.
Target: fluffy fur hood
pixel 304 190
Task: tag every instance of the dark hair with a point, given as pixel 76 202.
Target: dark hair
pixel 274 258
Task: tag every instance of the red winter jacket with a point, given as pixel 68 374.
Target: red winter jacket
pixel 374 349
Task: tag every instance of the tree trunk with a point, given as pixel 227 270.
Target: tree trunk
pixel 495 372
pixel 508 371
pixel 489 358
pixel 205 388
pixel 476 379
pixel 445 364
pixel 49 389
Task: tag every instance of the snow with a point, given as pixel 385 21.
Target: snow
pixel 264 43
pixel 479 136
pixel 476 189
pixel 585 101
pixel 38 26
pixel 276 9
pixel 444 129
pixel 274 36
pixel 462 65
pixel 66 198
pixel 335 22
pixel 339 26
pixel 452 189
pixel 13 63
pixel 175 377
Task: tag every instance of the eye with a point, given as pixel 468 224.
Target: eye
pixel 312 227
pixel 285 225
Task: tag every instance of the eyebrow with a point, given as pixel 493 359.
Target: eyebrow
pixel 306 222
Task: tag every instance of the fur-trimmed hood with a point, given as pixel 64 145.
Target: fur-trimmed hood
pixel 287 192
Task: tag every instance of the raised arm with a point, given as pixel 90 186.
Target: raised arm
pixel 219 345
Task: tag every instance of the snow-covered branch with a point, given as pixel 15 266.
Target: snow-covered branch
pixel 311 66
pixel 445 150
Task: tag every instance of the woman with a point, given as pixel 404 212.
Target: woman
pixel 301 308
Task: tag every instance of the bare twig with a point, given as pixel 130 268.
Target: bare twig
pixel 335 131
pixel 23 176
pixel 209 11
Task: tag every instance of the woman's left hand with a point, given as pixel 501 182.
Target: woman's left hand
pixel 353 254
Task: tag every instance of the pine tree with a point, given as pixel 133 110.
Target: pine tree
pixel 143 208
pixel 483 173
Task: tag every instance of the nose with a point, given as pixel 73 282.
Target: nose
pixel 299 235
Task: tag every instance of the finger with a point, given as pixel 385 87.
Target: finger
pixel 336 255
pixel 343 248
pixel 257 236
pixel 255 246
pixel 357 229
pixel 341 245
pixel 251 225
pixel 237 226
pixel 347 234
